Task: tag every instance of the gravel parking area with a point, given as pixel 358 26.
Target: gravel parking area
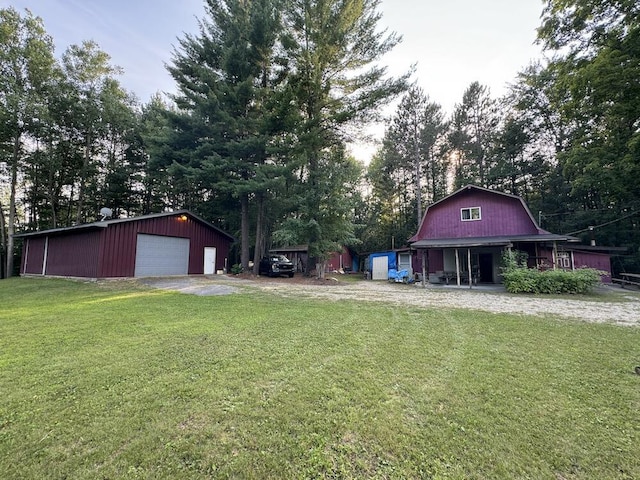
pixel 610 304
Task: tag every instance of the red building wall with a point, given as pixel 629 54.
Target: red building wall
pixel 109 250
pixel 73 255
pixel 500 215
pixel 118 246
pixel 599 261
pixel 334 261
pixel 32 256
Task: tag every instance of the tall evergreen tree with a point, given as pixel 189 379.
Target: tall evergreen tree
pixel 333 49
pixel 403 141
pixel 225 75
pixel 473 130
pixel 411 167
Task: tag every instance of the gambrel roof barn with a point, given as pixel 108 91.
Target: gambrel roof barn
pixel 464 235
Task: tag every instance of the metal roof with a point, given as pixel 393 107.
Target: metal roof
pixel 106 223
pixel 501 241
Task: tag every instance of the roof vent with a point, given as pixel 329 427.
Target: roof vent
pixel 106 213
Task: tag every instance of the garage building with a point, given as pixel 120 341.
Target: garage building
pixel 172 243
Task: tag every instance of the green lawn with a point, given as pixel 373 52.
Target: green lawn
pixel 116 381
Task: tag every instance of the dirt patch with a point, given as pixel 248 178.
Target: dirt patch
pixel 610 305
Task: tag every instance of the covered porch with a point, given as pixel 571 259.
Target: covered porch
pixel 474 261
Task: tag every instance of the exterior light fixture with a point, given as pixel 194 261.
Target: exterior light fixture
pixel 182 218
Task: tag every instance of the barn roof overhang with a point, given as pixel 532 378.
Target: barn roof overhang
pixel 105 223
pixel 63 230
pixel 502 241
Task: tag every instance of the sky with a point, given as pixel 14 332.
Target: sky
pixel 452 42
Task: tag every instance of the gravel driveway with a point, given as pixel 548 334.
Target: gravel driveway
pixel 611 304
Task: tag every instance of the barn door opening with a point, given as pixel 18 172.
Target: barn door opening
pixel 158 255
pixel 485 263
pixel 209 260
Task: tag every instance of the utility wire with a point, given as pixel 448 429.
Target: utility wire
pixel 593 227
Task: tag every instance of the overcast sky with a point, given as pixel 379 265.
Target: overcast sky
pixel 453 42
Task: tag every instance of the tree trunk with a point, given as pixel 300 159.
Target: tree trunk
pixel 11 225
pixel 244 232
pixel 260 237
pixel 308 266
pixel 321 269
pixel 3 241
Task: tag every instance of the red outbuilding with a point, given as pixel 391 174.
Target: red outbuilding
pixel 171 243
pixel 463 236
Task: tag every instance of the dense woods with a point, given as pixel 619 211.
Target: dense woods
pixel 270 92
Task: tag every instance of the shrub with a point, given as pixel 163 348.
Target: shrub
pixel 518 278
pixel 527 280
pixel 236 269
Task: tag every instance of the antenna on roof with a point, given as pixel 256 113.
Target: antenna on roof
pixel 106 213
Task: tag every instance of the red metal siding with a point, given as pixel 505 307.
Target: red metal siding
pixel 334 260
pixel 202 236
pixel 74 255
pixel 500 215
pixel 33 255
pixel 435 261
pixel 599 261
pixel 118 248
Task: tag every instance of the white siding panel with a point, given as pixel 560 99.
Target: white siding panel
pixel 157 256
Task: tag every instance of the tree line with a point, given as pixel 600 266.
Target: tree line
pixel 269 93
pixel 566 136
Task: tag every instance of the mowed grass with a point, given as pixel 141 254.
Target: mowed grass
pixel 115 381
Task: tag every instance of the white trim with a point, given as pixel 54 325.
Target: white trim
pixel 26 256
pixel 470 211
pixel 46 254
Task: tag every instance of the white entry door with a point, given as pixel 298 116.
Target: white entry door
pixel 380 268
pixel 209 260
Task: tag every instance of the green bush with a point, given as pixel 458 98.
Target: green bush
pixel 528 280
pixel 236 269
pixel 518 278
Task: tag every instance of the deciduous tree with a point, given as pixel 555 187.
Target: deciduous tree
pixel 26 62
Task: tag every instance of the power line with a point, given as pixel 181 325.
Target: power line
pixel 593 227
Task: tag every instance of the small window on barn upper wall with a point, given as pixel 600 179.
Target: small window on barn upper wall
pixel 470 214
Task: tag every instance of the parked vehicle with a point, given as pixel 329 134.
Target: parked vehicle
pixel 276 265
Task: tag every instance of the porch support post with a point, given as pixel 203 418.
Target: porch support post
pixel 573 261
pixel 458 267
pixel 469 265
pixel 554 255
pixel 424 268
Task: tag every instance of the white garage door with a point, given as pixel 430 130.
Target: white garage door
pixel 157 255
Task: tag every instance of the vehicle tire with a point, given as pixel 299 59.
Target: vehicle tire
pixel 291 275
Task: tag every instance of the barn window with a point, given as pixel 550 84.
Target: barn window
pixel 470 214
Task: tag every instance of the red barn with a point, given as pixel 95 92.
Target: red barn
pixel 462 238
pixel 173 243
